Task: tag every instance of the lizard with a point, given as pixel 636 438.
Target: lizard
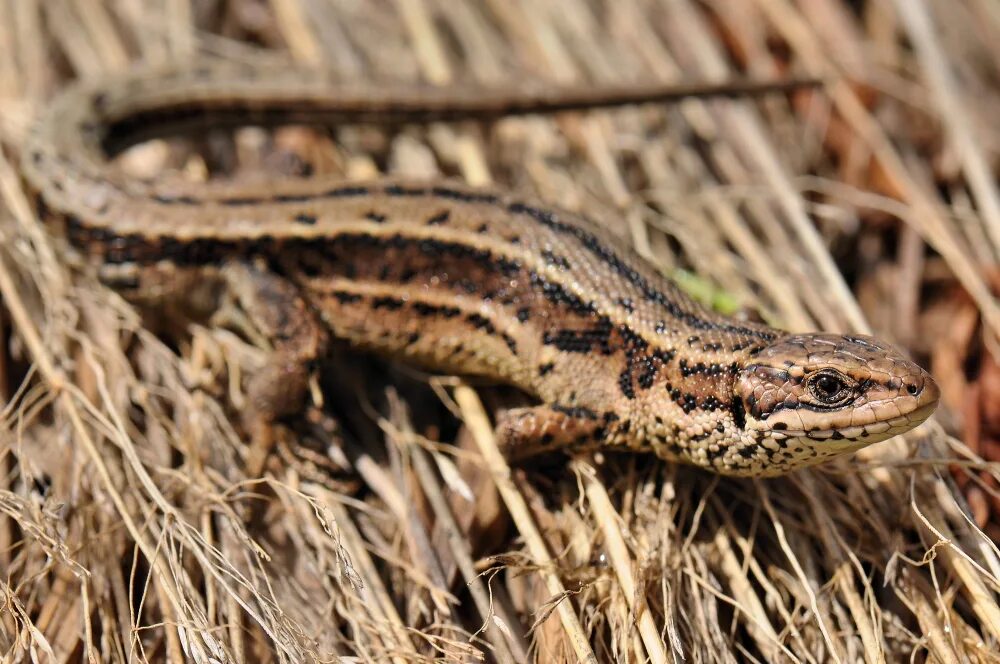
pixel 460 279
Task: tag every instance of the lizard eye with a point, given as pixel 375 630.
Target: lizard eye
pixel 830 388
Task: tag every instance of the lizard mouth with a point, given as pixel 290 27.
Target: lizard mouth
pixel 863 434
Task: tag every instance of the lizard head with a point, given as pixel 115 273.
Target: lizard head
pixel 808 397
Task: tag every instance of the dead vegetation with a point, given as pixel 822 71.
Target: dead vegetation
pixel 388 528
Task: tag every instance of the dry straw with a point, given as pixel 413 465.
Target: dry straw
pixel 129 533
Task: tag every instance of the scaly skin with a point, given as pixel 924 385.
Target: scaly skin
pixel 458 279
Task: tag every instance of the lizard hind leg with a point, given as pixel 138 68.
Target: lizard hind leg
pixel 525 432
pixel 298 339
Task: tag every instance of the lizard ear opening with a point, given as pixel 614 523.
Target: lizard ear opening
pixel 752 382
pixel 739 412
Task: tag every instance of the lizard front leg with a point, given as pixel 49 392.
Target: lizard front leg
pixel 524 432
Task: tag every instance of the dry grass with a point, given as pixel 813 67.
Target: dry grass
pixel 129 532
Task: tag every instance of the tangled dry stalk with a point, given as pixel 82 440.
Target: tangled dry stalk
pixel 129 532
